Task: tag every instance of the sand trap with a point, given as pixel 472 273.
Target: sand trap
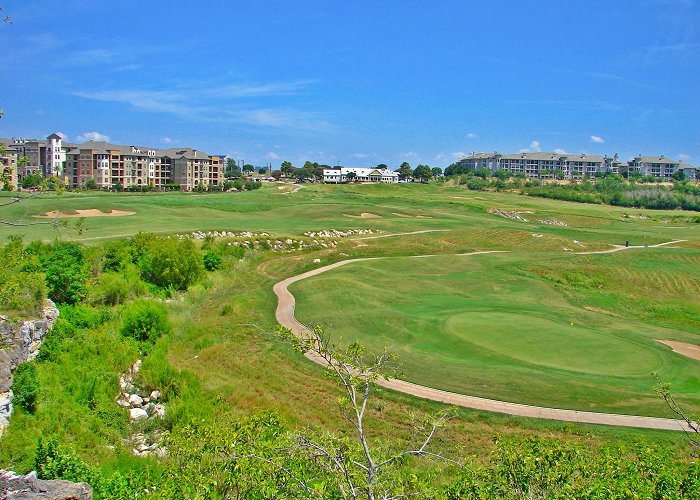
pixel 364 215
pixel 423 217
pixel 90 212
pixel 689 350
pixel 401 215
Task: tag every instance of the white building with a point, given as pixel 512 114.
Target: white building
pixel 340 175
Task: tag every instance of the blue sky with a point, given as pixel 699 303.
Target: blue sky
pixel 359 82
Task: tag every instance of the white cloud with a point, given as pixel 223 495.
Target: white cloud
pixel 360 156
pixel 597 139
pixel 410 155
pixel 458 155
pixel 684 157
pixel 535 147
pixel 560 151
pixel 63 136
pixel 272 156
pixel 472 135
pixel 166 140
pixel 92 136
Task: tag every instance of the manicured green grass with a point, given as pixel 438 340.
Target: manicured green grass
pixel 485 325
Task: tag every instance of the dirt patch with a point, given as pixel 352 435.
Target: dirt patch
pixel 689 350
pixel 364 215
pixel 602 311
pixel 411 216
pixel 90 212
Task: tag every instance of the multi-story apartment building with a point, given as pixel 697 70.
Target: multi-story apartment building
pixel 658 166
pixel 8 167
pixel 112 165
pixel 571 166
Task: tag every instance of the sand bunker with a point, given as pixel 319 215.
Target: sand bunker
pixel 364 215
pixel 90 212
pixel 689 350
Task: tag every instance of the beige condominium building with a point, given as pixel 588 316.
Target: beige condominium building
pixel 191 168
pixel 8 167
pixel 574 166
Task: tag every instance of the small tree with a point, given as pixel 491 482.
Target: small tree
pixel 287 168
pixel 371 473
pixel 351 176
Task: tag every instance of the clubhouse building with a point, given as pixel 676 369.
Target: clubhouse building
pixel 576 166
pixel 340 175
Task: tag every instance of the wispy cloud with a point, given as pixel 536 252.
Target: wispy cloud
pixel 272 156
pixel 92 136
pixel 360 156
pixel 597 139
pixel 458 155
pixel 472 135
pixel 222 104
pixel 63 136
pixel 560 151
pixel 166 140
pixel 684 157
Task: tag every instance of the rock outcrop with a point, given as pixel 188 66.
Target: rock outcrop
pixel 20 342
pixel 16 487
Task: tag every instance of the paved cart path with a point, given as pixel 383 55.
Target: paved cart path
pixel 285 317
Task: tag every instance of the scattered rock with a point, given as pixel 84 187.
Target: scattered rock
pixel 553 222
pixel 512 215
pixel 138 414
pixel 136 401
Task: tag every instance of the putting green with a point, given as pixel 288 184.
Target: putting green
pixel 554 344
pixel 484 325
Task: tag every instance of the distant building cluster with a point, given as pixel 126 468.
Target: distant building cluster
pixel 351 174
pixel 111 165
pixel 576 166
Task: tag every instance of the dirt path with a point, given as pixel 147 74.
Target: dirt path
pixel 285 317
pixel 620 248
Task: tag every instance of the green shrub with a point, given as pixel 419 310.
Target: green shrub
pixel 116 288
pixel 212 261
pixel 25 386
pixel 23 293
pixel 145 321
pixel 168 262
pixel 51 345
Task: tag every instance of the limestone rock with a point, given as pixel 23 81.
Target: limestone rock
pixel 13 486
pixel 138 414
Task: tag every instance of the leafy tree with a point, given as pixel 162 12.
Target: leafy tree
pixel 262 170
pixel 678 175
pixel 248 168
pixel 383 166
pixel 436 171
pixel 351 176
pixel 251 185
pixel 287 168
pixel 90 184
pixel 405 171
pixel 232 169
pixel 276 174
pixel 422 173
pixel 32 180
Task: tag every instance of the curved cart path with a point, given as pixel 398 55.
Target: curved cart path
pixel 620 248
pixel 285 317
